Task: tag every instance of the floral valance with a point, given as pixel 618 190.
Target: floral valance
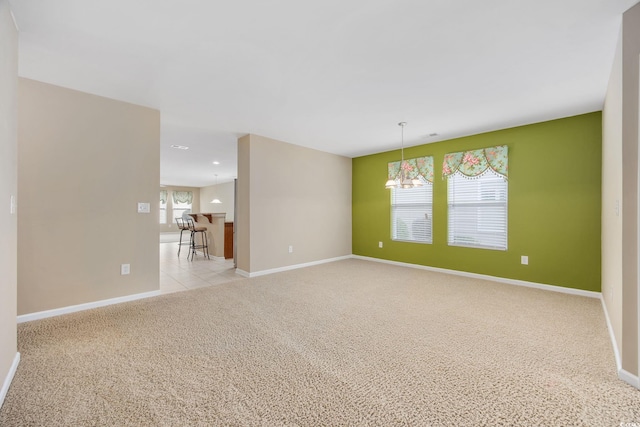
pixel 182 197
pixel 420 166
pixel 476 162
pixel 163 197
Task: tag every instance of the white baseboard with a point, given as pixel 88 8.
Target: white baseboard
pixel 554 288
pixel 562 289
pixel 625 376
pixel 9 378
pixel 80 307
pixel 290 267
pixel 629 378
pixel 614 342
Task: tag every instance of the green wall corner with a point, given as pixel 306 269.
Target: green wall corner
pixel 554 205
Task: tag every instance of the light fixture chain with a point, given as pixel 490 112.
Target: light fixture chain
pixel 401 180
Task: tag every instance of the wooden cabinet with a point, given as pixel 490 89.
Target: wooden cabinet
pixel 228 240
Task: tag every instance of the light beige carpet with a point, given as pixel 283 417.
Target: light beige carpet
pixel 347 343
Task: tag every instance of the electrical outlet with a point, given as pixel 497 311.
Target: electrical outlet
pixel 379 244
pixel 144 207
pixel 524 260
pixel 290 249
pixel 125 269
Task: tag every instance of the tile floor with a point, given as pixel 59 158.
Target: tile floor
pixel 180 274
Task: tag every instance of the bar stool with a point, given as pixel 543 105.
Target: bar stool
pixel 203 238
pixel 182 227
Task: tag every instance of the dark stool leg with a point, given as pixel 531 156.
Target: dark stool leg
pixel 205 242
pixel 180 244
pixel 192 245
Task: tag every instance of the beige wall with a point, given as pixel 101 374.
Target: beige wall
pixel 83 164
pixel 298 197
pixel 242 227
pixel 612 196
pixel 171 225
pixel 225 193
pixel 630 255
pixel 8 187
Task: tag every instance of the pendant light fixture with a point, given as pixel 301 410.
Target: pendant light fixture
pixel 215 199
pixel 402 180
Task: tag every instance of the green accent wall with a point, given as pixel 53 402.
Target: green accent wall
pixel 554 205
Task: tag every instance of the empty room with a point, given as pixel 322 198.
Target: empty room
pixel 418 213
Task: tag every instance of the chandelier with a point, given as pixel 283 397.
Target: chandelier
pixel 402 180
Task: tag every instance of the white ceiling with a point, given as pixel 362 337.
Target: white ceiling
pixel 334 75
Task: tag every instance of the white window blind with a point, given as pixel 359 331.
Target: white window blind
pixel 411 213
pixel 181 203
pixel 163 206
pixel 477 210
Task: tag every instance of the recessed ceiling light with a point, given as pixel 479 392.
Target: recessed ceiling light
pixel 216 163
pixel 180 147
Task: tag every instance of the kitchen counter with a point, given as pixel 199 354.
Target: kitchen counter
pixel 215 231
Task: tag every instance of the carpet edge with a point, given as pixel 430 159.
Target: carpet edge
pixel 9 378
pixel 516 282
pixel 244 273
pixel 86 306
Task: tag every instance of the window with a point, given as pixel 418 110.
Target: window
pixel 163 206
pixel 477 211
pixel 477 196
pixel 181 203
pixel 411 208
pixel 411 213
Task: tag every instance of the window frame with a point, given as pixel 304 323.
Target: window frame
pixel 428 205
pixel 454 238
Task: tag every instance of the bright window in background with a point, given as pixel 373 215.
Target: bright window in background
pixel 477 197
pixel 477 211
pixel 411 208
pixel 182 201
pixel 163 206
pixel 411 213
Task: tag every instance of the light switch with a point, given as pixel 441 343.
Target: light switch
pixel 144 207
